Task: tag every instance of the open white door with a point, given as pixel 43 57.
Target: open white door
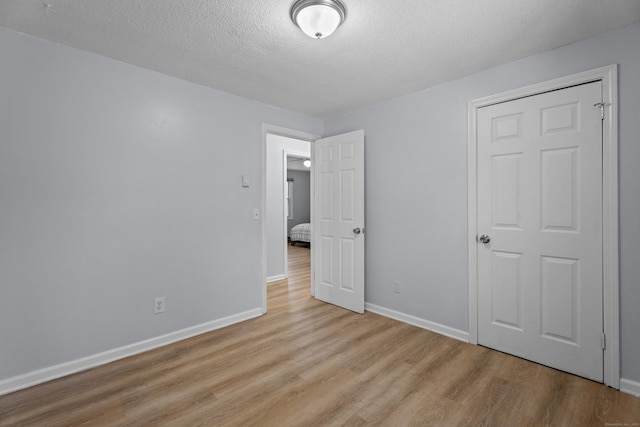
pixel 338 220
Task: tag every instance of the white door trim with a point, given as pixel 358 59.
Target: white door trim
pixel 608 76
pixel 290 133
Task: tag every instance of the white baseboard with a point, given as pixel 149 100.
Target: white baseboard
pixel 276 278
pixel 47 374
pixel 630 387
pixel 626 386
pixel 421 323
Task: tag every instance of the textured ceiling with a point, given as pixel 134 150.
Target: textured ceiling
pixel 251 48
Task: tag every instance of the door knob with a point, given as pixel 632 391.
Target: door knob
pixel 484 239
pixel 356 230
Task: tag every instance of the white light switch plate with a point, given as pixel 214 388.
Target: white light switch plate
pixel 245 180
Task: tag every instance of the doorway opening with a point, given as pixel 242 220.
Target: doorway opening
pixel 337 213
pixel 286 190
pixel 297 203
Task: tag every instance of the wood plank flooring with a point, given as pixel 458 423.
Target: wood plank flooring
pixel 307 363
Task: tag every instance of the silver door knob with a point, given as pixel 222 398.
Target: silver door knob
pixel 484 239
pixel 357 230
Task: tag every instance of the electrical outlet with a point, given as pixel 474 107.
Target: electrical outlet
pixel 158 305
pixel 396 287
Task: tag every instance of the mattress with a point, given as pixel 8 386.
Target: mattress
pixel 301 233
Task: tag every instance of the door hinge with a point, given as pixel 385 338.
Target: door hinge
pixel 601 105
pixel 603 341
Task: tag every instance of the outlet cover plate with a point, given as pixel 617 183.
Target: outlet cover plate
pixel 158 305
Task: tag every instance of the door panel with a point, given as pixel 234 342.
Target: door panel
pixel 559 199
pixel 326 268
pixel 347 263
pixel 339 194
pixel 559 298
pixel 506 289
pixel 540 201
pixel 507 194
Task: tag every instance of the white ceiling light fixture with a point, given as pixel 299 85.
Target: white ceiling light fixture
pixel 307 163
pixel 318 18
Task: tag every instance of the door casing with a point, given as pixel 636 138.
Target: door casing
pixel 290 133
pixel 608 76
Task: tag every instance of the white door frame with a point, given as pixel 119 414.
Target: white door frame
pixel 289 133
pixel 611 305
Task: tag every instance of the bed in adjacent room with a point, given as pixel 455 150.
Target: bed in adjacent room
pixel 300 233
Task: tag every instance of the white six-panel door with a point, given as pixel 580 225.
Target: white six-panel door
pixel 540 206
pixel 338 221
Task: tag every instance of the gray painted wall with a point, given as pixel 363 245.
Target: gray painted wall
pixel 301 198
pixel 416 184
pixel 118 185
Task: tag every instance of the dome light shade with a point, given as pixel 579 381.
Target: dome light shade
pixel 307 163
pixel 318 18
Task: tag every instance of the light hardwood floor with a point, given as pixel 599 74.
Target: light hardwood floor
pixel 307 363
